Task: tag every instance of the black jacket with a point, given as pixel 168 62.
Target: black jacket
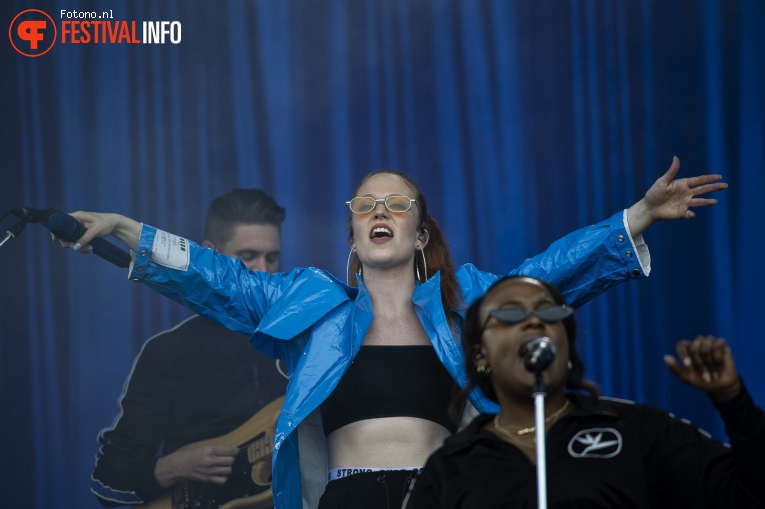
pixel 609 454
pixel 194 382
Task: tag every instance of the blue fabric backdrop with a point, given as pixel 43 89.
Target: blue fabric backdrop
pixel 522 120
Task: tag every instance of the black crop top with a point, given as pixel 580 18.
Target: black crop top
pixel 391 381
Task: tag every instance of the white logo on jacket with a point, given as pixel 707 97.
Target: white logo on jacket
pixel 596 443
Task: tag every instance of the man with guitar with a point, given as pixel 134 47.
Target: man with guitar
pixel 192 426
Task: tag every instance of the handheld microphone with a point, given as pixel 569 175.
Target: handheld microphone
pixel 67 228
pixel 539 354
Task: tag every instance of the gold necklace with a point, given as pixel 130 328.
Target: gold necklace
pixel 514 438
pixel 513 434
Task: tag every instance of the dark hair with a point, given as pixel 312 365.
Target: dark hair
pixel 249 206
pixel 471 342
pixel 437 255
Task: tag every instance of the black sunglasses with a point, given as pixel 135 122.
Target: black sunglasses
pixel 549 314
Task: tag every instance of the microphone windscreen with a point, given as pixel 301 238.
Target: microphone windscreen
pixel 65 227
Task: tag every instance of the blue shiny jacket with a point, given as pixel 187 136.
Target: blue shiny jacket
pixel 316 323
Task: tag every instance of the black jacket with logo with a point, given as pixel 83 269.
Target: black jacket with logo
pixel 605 454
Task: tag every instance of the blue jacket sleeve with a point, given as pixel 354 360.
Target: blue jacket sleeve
pixel 581 265
pixel 278 306
pixel 213 285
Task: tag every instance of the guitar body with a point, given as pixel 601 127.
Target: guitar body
pixel 249 485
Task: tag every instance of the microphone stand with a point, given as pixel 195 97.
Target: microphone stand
pixel 539 354
pixel 13 232
pixel 539 421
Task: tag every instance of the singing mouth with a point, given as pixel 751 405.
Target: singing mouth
pixel 379 232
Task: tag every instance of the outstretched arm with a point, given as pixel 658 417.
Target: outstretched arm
pixel 672 199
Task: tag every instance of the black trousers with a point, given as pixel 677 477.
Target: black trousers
pixel 369 490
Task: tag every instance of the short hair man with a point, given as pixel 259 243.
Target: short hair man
pixel 195 382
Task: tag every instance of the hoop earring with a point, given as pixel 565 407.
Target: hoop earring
pixel 348 266
pixel 484 369
pixel 424 265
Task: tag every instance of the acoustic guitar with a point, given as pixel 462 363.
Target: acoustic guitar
pixel 248 486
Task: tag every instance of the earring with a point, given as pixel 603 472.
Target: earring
pixel 484 369
pixel 424 265
pixel 348 266
pixel 417 270
pixel 569 365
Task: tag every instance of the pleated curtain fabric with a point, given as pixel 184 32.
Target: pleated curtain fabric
pixel 521 121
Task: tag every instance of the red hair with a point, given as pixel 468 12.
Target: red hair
pixel 437 255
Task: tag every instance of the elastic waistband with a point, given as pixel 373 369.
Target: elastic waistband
pixel 339 473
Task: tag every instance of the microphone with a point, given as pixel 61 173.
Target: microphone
pixel 28 215
pixel 67 228
pixel 539 354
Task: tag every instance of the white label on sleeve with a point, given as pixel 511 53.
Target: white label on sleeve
pixel 170 251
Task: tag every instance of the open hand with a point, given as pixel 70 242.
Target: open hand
pixel 670 198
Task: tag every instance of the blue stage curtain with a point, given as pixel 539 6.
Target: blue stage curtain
pixel 521 120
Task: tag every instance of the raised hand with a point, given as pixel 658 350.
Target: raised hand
pixel 706 363
pixel 670 198
pixel 673 199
